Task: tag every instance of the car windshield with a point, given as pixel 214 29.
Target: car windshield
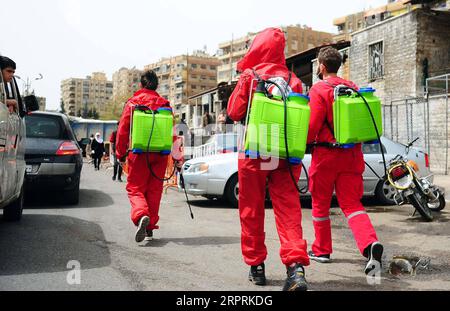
pixel 40 126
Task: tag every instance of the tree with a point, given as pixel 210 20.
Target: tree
pixel 90 114
pixel 95 114
pixel 114 108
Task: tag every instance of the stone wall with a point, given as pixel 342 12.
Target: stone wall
pixel 399 37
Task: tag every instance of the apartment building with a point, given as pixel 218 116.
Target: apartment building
pixel 358 21
pixel 185 75
pixel 81 95
pixel 125 82
pixel 298 38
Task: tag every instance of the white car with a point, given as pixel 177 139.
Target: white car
pixel 12 151
pixel 216 176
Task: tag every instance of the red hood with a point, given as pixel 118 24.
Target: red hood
pixel 149 98
pixel 267 47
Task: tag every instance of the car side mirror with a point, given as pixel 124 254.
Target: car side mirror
pixel 31 103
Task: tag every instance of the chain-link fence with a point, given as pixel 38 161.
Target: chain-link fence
pixel 426 118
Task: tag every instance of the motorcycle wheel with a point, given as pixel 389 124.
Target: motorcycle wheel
pixel 439 205
pixel 421 205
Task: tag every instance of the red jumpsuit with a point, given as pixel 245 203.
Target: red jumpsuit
pixel 266 57
pixel 144 190
pixel 335 169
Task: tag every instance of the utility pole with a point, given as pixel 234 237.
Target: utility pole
pixel 231 58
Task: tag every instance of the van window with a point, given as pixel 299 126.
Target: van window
pixel 40 126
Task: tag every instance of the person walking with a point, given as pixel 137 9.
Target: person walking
pixel 98 150
pixel 336 170
pixel 117 167
pixel 266 60
pixel 144 186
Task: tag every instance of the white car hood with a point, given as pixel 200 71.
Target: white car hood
pixel 215 158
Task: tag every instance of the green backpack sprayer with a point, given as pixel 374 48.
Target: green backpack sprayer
pixel 357 119
pixel 152 132
pixel 277 126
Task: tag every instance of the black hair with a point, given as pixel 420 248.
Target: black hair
pixel 149 80
pixel 6 62
pixel 331 58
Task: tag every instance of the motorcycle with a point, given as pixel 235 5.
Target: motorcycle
pixel 413 189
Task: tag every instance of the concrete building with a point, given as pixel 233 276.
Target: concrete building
pixel 125 82
pixel 95 91
pixel 298 39
pixel 355 22
pixel 183 76
pixel 42 103
pixel 398 57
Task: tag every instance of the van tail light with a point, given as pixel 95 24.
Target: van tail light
pixel 67 148
pixel 427 160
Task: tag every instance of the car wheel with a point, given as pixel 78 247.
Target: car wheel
pixel 232 191
pixel 73 196
pixel 385 193
pixel 13 212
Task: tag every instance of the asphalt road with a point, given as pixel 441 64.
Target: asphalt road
pixel 200 254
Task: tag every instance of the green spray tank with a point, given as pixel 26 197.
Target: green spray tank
pixel 355 115
pixel 265 134
pixel 151 130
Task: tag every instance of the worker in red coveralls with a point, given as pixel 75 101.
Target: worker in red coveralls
pixel 144 189
pixel 336 169
pixel 265 59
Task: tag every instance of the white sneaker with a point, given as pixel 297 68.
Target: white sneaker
pixel 142 229
pixel 374 258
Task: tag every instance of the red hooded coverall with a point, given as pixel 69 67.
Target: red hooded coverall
pixel 144 190
pixel 266 57
pixel 335 169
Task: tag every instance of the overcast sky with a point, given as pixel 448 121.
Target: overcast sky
pixel 73 38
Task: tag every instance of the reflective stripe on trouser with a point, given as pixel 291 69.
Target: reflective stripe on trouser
pixel 286 207
pixel 345 177
pixel 144 190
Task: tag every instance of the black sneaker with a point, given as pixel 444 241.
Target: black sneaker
pixel 142 229
pixel 149 236
pixel 257 275
pixel 320 259
pixel 374 254
pixel 114 178
pixel 295 281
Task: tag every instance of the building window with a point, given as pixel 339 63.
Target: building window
pixel 203 66
pixel 376 61
pixel 212 67
pixel 193 66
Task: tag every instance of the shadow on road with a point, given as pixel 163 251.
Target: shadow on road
pixel 46 243
pixel 195 241
pixel 88 199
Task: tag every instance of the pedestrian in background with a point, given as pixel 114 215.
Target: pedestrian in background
pixel 221 121
pixel 117 167
pixel 98 150
pixel 89 149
